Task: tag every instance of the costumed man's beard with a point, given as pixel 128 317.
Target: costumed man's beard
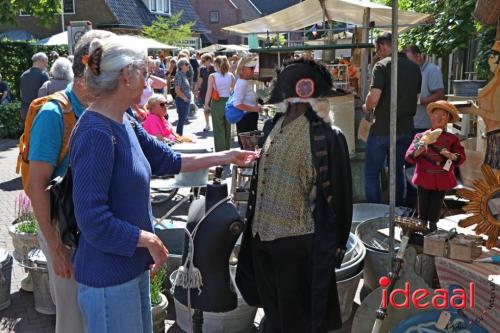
pixel 320 105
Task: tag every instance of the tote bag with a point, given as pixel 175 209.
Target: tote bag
pixel 232 113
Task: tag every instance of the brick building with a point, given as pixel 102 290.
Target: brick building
pixel 122 16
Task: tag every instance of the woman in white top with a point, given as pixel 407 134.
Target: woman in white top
pixel 244 97
pixel 222 81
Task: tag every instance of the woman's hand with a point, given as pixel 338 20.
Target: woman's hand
pixel 155 247
pixel 206 107
pixel 257 108
pixel 241 157
pixel 61 260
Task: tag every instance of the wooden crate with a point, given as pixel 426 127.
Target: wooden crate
pixel 465 247
pixel 435 243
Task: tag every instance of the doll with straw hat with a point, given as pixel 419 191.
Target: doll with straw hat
pixel 435 153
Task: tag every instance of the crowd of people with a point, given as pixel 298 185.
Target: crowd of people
pixel 300 183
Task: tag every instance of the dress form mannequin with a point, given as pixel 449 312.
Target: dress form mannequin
pixel 213 242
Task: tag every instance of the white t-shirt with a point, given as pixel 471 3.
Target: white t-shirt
pixel 244 94
pixel 147 92
pixel 223 83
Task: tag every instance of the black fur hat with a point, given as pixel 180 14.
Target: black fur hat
pixel 303 79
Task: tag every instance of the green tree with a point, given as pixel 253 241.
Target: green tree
pixel 451 29
pixel 45 10
pixel 168 30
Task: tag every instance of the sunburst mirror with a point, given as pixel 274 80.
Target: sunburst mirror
pixel 484 205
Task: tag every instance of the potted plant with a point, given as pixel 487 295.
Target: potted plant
pixel 159 301
pixel 24 232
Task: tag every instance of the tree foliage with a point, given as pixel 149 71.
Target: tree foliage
pixel 452 28
pixel 168 30
pixel 45 10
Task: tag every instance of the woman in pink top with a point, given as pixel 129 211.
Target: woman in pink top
pixel 155 123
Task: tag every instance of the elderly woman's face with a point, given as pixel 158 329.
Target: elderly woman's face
pixel 159 108
pixel 439 118
pixel 137 81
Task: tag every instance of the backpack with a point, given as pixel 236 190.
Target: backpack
pixel 69 120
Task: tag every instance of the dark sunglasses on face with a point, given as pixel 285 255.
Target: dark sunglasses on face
pixel 162 104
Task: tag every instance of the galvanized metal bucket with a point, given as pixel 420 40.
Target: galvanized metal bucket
pixel 41 286
pixel 5 278
pixel 377 260
pixel 347 290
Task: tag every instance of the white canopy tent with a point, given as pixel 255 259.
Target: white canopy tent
pixel 309 12
pixel 224 48
pixel 62 39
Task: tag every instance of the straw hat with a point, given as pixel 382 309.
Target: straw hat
pixel 444 105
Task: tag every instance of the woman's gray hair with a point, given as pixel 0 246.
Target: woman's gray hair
pixel 62 69
pixel 155 99
pixel 40 56
pixel 109 56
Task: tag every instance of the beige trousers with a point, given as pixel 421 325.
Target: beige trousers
pixel 64 296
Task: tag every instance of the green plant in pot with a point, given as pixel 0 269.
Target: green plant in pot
pixel 159 301
pixel 23 232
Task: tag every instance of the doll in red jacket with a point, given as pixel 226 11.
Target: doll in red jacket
pixel 436 153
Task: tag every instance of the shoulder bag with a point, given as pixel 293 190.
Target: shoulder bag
pixel 215 94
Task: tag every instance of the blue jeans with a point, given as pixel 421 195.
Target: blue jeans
pixel 122 308
pixel 182 111
pixel 376 154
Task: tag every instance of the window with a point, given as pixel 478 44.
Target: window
pixel 213 16
pixel 159 6
pixel 69 6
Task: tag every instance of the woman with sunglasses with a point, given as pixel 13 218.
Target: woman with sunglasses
pixel 157 124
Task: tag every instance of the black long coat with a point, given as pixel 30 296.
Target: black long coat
pixel 332 223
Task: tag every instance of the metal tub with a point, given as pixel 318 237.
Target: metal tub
pixel 377 260
pixel 347 290
pixel 353 263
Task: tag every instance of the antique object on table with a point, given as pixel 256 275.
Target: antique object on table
pixel 449 244
pixel 436 243
pixel 484 205
pixel 465 247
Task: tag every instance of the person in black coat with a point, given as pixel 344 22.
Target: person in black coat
pixel 300 208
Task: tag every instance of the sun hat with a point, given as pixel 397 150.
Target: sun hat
pixel 444 105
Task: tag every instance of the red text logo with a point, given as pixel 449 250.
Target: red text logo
pixel 422 298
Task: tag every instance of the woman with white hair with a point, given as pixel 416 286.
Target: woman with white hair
pixel 61 74
pixel 112 159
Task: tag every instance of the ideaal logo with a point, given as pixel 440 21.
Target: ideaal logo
pixel 422 298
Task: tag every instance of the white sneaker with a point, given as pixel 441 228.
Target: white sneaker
pixel 207 128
